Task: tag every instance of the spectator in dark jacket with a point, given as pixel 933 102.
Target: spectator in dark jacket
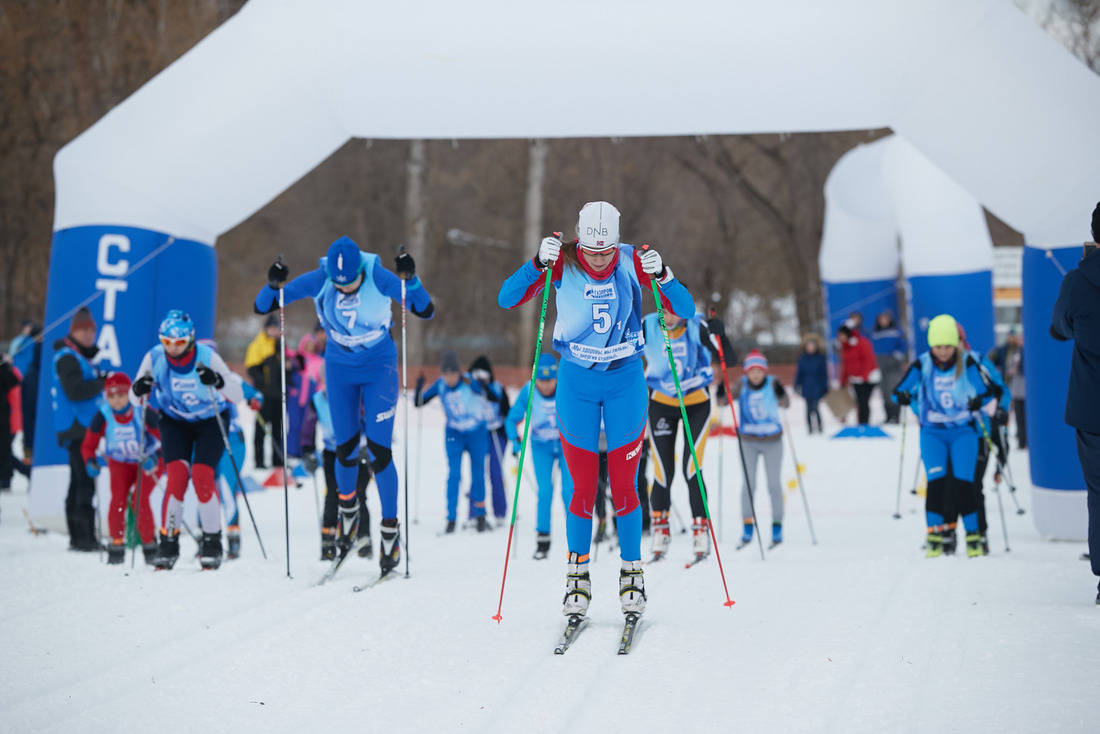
pixel 78 392
pixel 892 353
pixel 811 379
pixel 1077 316
pixel 262 364
pixel 29 395
pixel 858 368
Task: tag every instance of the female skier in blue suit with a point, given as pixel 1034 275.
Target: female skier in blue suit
pixel 599 287
pixel 352 293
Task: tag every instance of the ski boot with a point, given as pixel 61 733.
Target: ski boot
pixel 700 533
pixel 449 530
pixel 366 546
pixel 777 533
pixel 169 550
pixel 210 552
pixel 661 536
pixel 985 545
pixel 632 587
pixel 116 552
pixel 482 524
pixel 578 587
pixel 233 535
pixel 746 535
pixel 933 545
pixel 974 545
pixel 328 544
pixel 389 552
pixel 542 547
pixel 950 541
pixel 149 550
pixel 349 530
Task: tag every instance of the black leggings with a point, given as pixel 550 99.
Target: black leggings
pixel 328 458
pixel 863 401
pixel 663 422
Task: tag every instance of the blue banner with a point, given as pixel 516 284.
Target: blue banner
pixel 1053 444
pixel 968 297
pixel 128 278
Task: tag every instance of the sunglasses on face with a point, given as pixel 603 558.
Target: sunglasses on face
pixel 169 341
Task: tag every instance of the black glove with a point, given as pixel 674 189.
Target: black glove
pixel 143 385
pixel 1000 418
pixel 406 266
pixel 278 274
pixel 208 376
pixel 975 403
pixel 309 459
pixel 903 398
pixel 420 383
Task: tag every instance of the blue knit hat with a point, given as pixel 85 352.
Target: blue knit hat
pixel 547 367
pixel 755 359
pixel 344 261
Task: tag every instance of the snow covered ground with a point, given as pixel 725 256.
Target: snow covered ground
pixel 858 633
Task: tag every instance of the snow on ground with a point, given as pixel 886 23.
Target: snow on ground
pixel 860 633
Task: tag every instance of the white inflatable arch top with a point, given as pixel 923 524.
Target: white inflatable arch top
pixel 973 84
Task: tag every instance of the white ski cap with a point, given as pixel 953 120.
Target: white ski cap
pixel 598 226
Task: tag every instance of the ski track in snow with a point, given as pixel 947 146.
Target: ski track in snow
pixel 859 633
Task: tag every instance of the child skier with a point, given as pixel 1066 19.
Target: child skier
pixel 318 412
pixel 131 445
pixel 759 397
pixel 691 347
pixel 949 386
pixel 353 294
pixel 184 379
pixel 545 446
pixel 599 284
pixel 464 403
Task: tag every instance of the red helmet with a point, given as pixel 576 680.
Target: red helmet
pixel 117 382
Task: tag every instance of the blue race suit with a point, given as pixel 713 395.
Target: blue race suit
pixel 598 335
pixel 464 405
pixel 948 432
pixel 360 365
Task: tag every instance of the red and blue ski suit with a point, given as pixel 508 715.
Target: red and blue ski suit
pixel 599 337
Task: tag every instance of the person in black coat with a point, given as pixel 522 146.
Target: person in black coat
pixel 1077 316
pixel 811 379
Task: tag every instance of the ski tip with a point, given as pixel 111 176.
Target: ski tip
pixel 729 603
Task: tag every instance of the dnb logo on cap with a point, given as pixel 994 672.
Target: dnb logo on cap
pixel 598 226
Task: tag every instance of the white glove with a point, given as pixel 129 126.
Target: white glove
pixel 549 250
pixel 651 262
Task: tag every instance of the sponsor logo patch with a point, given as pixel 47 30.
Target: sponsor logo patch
pixel 599 292
pixel 184 384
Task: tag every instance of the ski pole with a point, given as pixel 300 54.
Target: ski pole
pixel 740 446
pixel 1011 480
pixel 687 430
pixel 419 444
pixel 901 465
pixel 316 500
pixel 405 392
pixel 798 473
pixel 140 472
pixel 282 373
pixel 1001 508
pixel 526 426
pixel 236 472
